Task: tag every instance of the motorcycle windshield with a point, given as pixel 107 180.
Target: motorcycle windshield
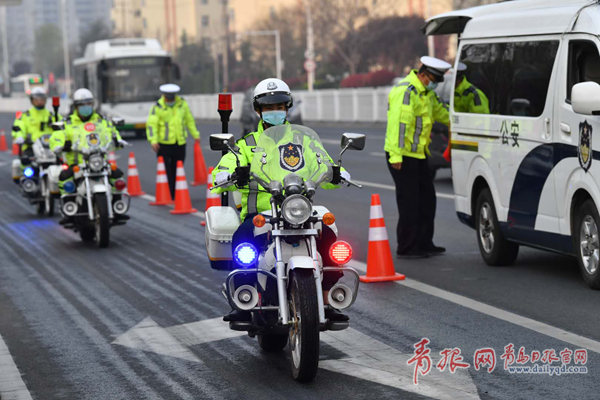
pixel 98 138
pixel 286 149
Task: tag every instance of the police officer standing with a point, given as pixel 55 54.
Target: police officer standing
pixel 413 107
pixel 166 129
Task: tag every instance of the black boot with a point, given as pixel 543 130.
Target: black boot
pixel 334 315
pixel 238 316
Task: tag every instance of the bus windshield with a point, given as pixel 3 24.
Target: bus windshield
pixel 134 79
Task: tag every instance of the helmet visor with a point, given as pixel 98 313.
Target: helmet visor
pixel 275 98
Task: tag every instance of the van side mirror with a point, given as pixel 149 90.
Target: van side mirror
pixel 118 121
pixel 585 98
pixel 353 141
pixel 221 142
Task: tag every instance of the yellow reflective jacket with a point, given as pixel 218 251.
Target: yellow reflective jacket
pixel 168 124
pixel 32 124
pixel 470 99
pixel 75 132
pixel 253 199
pixel 412 110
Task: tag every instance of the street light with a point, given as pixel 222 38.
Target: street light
pixel 277 46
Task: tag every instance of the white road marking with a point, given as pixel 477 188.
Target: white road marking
pixel 536 326
pixel 393 188
pixel 149 197
pixel 365 357
pixel 12 386
pixel 377 154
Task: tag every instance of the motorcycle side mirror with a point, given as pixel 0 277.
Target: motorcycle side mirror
pixel 222 142
pixel 118 121
pixel 352 141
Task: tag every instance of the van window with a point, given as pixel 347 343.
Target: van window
pixel 514 76
pixel 584 64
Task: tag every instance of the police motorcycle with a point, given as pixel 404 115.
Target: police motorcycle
pixel 281 283
pixel 39 181
pixel 93 203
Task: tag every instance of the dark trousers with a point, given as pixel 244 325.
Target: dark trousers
pixel 171 153
pixel 415 197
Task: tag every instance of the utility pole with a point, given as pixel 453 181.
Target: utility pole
pixel 309 55
pixel 66 58
pixel 430 42
pixel 5 74
pixel 226 46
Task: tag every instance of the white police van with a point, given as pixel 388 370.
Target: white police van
pixel 528 173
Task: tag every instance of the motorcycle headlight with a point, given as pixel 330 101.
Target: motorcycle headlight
pixel 96 162
pixel 296 209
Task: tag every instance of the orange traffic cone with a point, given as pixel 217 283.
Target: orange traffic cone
pixel 112 159
pixel 380 266
pixel 183 204
pixel 3 146
pixel 212 199
pixel 133 180
pixel 200 175
pixel 163 195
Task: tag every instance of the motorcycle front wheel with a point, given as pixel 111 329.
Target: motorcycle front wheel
pixel 48 199
pixel 102 223
pixel 304 326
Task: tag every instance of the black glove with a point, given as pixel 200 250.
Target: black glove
pixel 67 146
pixel 241 175
pixel 337 174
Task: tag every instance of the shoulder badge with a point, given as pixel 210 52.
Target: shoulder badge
pixel 584 151
pixel 291 157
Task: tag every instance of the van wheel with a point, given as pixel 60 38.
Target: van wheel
pixel 494 248
pixel 587 243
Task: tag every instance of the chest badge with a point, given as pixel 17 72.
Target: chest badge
pixel 90 127
pixel 584 151
pixel 291 157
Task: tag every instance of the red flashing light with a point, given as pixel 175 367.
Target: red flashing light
pixel 120 184
pixel 65 167
pixel 225 102
pixel 55 101
pixel 340 252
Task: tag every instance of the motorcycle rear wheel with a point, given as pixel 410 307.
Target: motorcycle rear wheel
pixel 304 329
pixel 102 224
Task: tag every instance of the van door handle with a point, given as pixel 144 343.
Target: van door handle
pixel 565 128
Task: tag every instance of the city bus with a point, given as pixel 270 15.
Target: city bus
pixel 124 75
pixel 23 84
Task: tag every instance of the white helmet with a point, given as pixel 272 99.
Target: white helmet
pixel 271 91
pixel 82 96
pixel 38 92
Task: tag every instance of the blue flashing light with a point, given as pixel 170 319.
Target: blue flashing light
pixel 28 172
pixel 245 255
pixel 69 186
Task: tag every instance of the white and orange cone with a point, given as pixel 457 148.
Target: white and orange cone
pixel 133 180
pixel 183 203
pixel 212 199
pixel 380 266
pixel 112 159
pixel 163 194
pixel 200 175
pixel 3 146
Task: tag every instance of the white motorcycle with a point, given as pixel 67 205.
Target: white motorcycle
pixel 39 182
pixel 284 283
pixel 90 200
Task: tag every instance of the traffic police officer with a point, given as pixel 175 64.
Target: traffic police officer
pixel 271 101
pixel 166 129
pixel 29 127
pixel 412 109
pixel 64 141
pixel 467 97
